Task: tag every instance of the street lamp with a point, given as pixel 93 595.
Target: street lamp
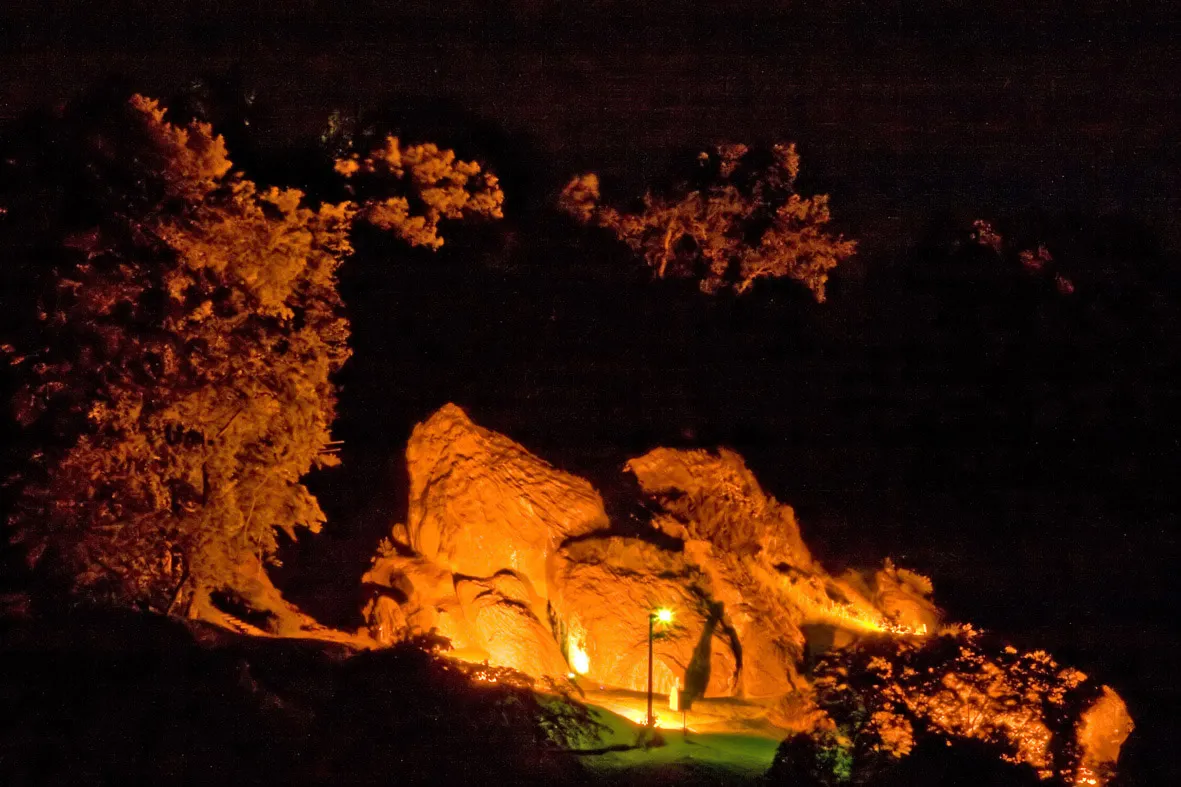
pixel 664 616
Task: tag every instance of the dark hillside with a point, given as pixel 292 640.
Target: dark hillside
pixel 124 698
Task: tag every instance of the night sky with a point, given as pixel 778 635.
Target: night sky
pixel 1024 456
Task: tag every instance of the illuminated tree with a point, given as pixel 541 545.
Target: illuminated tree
pixel 173 332
pixel 409 190
pixel 887 700
pixel 737 219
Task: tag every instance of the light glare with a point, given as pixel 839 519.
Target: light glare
pixel 579 659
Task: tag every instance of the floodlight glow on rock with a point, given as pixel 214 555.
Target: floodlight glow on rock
pixel 517 563
pixel 579 660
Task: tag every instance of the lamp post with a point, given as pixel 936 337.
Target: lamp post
pixel 664 616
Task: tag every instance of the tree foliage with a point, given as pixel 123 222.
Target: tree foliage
pixel 175 334
pixel 429 185
pixel 736 220
pixel 886 698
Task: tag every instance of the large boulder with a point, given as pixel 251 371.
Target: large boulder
pixel 480 503
pixel 714 497
pixel 1101 732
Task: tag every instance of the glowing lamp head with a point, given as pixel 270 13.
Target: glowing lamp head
pixel 664 615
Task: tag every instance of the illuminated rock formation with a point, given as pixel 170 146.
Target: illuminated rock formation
pixel 750 541
pixel 486 620
pixel 735 569
pixel 713 497
pixel 515 562
pixel 1101 731
pixel 758 568
pixel 605 589
pixel 480 503
pixel 425 595
pixel 902 596
pixel 499 612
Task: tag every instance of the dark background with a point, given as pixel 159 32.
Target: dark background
pixel 1015 445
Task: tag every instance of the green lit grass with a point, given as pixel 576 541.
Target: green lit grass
pixel 699 758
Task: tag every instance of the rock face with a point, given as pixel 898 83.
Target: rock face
pixel 1102 730
pixel 905 598
pixel 606 590
pixel 499 611
pixel 515 562
pixel 713 497
pixel 480 503
pixel 425 596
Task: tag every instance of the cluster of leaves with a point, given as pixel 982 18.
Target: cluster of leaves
pixel 885 697
pixel 736 220
pixel 429 185
pixel 1035 261
pixel 173 329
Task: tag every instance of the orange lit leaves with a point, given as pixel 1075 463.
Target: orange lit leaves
pixel 432 184
pixel 744 223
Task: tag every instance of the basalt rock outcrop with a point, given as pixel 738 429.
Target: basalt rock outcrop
pixel 517 564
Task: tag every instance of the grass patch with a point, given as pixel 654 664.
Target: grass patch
pixel 698 758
